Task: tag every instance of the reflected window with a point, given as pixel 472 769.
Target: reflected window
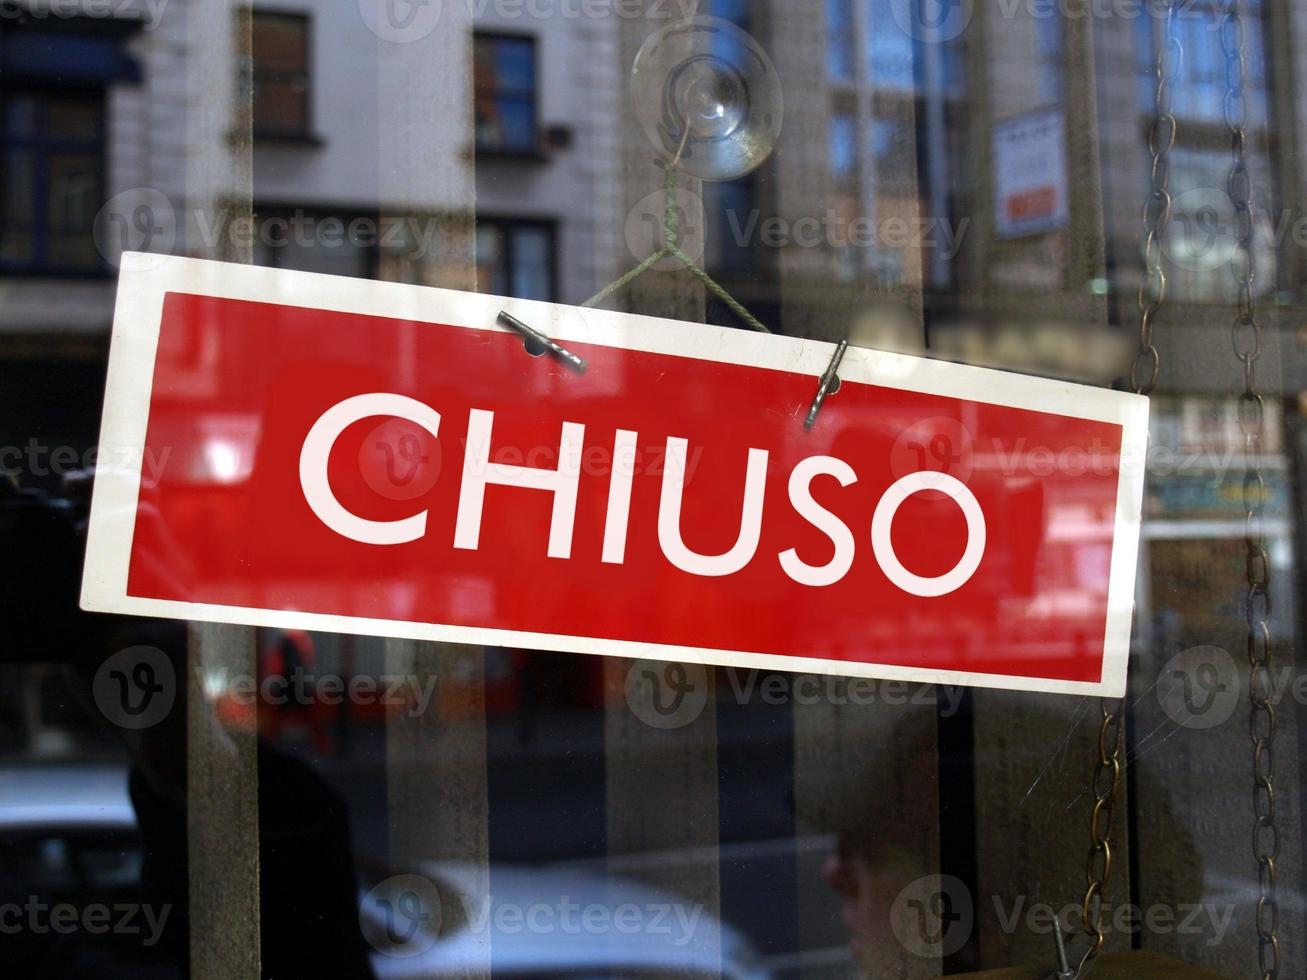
pixel 843 153
pixel 1049 43
pixel 843 150
pixel 314 241
pixel 898 123
pixel 891 61
pixel 1201 80
pixel 516 258
pixel 733 206
pixel 736 11
pixel 1201 236
pixel 897 61
pixel 839 40
pixel 51 181
pixel 504 69
pixel 281 76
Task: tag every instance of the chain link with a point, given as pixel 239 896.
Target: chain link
pixel 1157 207
pixel 1098 863
pixel 1246 337
pixel 1106 780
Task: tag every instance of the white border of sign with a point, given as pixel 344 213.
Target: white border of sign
pixel 145 279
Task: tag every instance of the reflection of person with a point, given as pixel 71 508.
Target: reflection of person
pixel 881 864
pixel 851 873
pixel 309 913
pixel 287 661
pixel 884 841
pixel 308 894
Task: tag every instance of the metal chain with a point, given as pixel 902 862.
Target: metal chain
pixel 1106 784
pixel 1246 336
pixel 1157 208
pixel 1106 780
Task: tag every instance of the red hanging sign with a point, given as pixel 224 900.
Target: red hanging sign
pixel 344 455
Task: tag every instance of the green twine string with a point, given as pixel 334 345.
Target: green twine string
pixel 672 249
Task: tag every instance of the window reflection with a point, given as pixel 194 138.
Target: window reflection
pixel 516 258
pixel 51 173
pixel 820 812
pixel 281 75
pixel 505 72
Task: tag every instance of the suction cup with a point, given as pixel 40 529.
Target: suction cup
pixel 708 98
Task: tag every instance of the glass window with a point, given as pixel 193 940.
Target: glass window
pixel 1201 77
pixel 732 242
pixel 891 58
pixel 505 73
pixel 839 40
pixel 532 264
pixel 736 11
pixel 516 258
pixel 1202 237
pixel 1049 40
pixel 51 152
pixel 956 191
pixel 281 75
pixel 492 260
pixel 843 149
pixel 340 244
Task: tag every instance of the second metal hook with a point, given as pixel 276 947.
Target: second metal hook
pixel 829 380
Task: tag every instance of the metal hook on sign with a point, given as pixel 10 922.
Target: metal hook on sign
pixel 1064 969
pixel 828 380
pixel 530 333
